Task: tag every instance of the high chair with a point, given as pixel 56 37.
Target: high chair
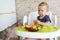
pixel 33 15
pixel 34 35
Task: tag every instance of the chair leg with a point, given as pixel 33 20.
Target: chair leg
pixel 18 37
pixel 22 38
pixel 51 38
pixel 55 38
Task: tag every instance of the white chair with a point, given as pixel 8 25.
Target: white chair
pixel 33 15
pixel 25 20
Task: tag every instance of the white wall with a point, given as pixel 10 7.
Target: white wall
pixel 7 14
pixel 7 6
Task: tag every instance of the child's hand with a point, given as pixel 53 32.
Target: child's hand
pixel 42 23
pixel 36 22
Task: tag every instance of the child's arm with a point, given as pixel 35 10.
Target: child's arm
pixel 42 23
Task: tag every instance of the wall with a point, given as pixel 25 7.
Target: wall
pixel 24 7
pixel 7 20
pixel 7 6
pixel 7 13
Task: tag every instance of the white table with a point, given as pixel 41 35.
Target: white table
pixel 50 35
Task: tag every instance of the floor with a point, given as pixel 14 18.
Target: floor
pixel 13 38
pixel 16 38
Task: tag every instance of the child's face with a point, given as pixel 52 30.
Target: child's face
pixel 42 10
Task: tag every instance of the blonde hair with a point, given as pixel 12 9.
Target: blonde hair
pixel 43 4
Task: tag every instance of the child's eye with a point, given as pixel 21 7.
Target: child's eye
pixel 38 10
pixel 42 10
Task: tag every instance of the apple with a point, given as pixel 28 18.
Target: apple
pixel 31 28
pixel 36 26
pixel 27 26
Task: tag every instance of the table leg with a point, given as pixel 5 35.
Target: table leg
pixel 51 38
pixel 55 38
pixel 18 37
